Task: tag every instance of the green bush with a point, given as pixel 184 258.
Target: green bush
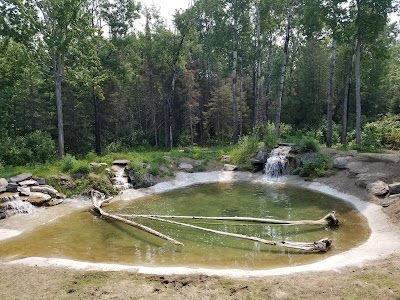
pixel 81 167
pixel 244 152
pixel 316 167
pixel 68 163
pixel 35 147
pixel 100 183
pixel 308 144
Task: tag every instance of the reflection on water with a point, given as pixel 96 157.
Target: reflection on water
pixel 83 236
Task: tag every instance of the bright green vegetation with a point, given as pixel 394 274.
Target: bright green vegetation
pixel 90 238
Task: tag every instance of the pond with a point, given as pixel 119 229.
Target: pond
pixel 85 237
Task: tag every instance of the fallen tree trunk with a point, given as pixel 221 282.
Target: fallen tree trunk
pixel 329 220
pixel 322 245
pixel 98 199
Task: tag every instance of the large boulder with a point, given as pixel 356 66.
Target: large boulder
pixel 148 180
pixel 20 177
pixel 340 162
pixel 379 157
pixel 45 189
pixel 121 162
pixel 378 188
pixel 366 178
pixel 132 177
pixel 28 182
pixel 394 188
pixel 3 185
pixel 12 187
pixel 261 158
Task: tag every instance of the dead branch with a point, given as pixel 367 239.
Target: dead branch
pixel 329 220
pixel 322 245
pixel 98 199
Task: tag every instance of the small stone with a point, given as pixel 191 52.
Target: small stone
pixel 378 188
pixel 121 162
pixel 20 177
pixel 394 188
pixel 39 180
pixel 28 182
pixel 230 168
pixel 54 202
pixel 60 196
pixel 95 166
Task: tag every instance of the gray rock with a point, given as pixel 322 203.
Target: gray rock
pixel 121 162
pixel 12 187
pixel 54 202
pixel 24 191
pixel 364 179
pixel 2 215
pixel 45 189
pixel 28 182
pixel 95 166
pixel 20 177
pixel 378 188
pixel 132 177
pixel 148 180
pixel 231 168
pixel 60 196
pixel 355 168
pixel 3 185
pixel 185 167
pixel 340 163
pixel 379 157
pixel 394 188
pixel 259 161
pixel 39 180
pixel 37 198
pixel 7 198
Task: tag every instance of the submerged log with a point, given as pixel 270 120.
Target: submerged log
pixel 329 220
pixel 322 245
pixel 98 199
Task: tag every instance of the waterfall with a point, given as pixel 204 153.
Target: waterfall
pixel 277 163
pixel 21 207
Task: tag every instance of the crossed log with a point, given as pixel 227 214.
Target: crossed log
pixel 322 245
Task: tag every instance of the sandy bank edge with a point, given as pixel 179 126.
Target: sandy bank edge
pixel 384 239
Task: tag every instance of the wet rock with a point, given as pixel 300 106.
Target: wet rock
pixel 95 166
pixel 20 177
pixel 261 158
pixel 3 185
pixel 28 182
pixel 8 197
pixel 54 202
pixel 45 189
pixel 378 188
pixel 340 163
pixel 148 180
pixel 12 187
pixel 230 168
pixel 2 215
pixel 37 198
pixel 121 162
pixel 394 188
pixel 185 167
pixel 132 177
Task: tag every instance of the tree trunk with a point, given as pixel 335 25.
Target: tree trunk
pixel 330 93
pixel 268 83
pixel 258 68
pixel 241 98
pixel 97 126
pixel 346 98
pixel 283 73
pixel 234 64
pixel 58 69
pixel 358 93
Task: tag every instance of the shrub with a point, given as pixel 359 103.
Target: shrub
pixel 81 167
pixel 308 144
pixel 68 163
pixel 100 183
pixel 244 152
pixel 316 167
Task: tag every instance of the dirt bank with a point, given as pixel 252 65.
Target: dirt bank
pixel 377 279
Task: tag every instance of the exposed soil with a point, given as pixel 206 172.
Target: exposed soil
pixel 377 280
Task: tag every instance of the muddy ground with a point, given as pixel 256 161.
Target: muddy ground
pixel 376 280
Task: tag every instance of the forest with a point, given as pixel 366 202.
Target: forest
pixel 80 76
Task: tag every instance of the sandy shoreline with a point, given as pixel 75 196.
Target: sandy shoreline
pixel 382 232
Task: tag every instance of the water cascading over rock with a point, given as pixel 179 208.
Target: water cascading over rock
pixel 278 163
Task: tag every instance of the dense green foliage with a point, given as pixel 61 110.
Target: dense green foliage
pixel 153 87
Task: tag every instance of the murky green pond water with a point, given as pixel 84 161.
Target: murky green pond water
pixel 83 236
